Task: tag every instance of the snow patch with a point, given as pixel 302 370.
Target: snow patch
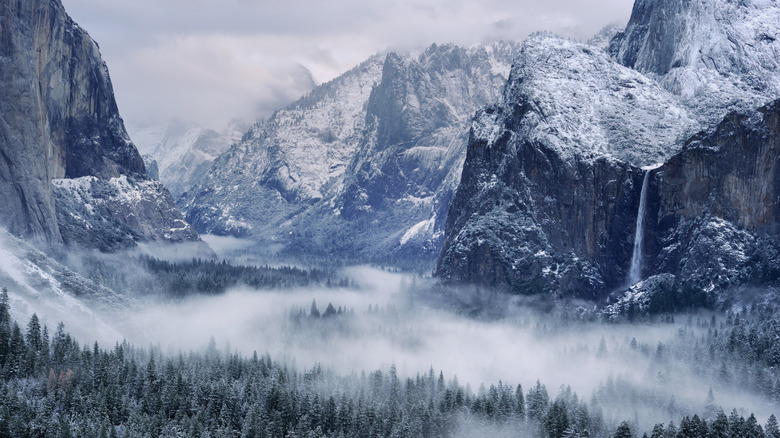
pixel 424 227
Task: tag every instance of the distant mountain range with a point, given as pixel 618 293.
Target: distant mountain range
pixel 364 166
pixel 182 153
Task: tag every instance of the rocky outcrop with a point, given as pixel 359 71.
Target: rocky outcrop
pixel 714 208
pixel 716 55
pixel 550 187
pixel 58 118
pixel 114 214
pixel 552 181
pixel 364 166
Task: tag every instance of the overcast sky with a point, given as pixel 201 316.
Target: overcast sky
pixel 207 61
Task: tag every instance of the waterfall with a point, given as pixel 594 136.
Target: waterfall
pixel 636 258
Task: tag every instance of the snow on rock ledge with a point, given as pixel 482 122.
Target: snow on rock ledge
pixel 117 213
pixel 578 101
pixel 718 55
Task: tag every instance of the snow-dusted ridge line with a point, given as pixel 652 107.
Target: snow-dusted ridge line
pixel 584 105
pixel 317 163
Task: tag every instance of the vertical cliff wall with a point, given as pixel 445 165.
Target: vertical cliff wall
pixel 551 183
pixel 58 118
pixel 553 177
pixel 714 208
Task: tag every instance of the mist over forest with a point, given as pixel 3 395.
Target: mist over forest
pixel 546 238
pixel 357 327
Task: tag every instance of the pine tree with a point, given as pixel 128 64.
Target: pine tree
pixel 34 338
pixel 710 408
pixel 329 311
pixel 5 307
pixel 537 402
pixel 720 425
pixel 623 431
pixel 314 312
pixel 752 429
pixel 519 403
pixel 602 349
pixel 771 429
pixel 736 423
pixel 557 419
pixel 17 352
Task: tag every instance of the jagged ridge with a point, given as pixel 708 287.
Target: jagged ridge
pixel 364 165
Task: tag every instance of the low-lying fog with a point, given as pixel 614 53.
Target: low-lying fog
pixel 383 323
pixel 414 337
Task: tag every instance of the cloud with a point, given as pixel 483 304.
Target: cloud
pixel 208 61
pixel 208 78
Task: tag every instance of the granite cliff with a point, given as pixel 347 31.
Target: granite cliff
pixel 549 191
pixel 714 209
pixel 59 121
pixel 554 174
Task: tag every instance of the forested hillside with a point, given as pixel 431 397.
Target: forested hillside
pixel 54 387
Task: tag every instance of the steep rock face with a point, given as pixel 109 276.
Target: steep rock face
pixel 717 55
pixel 114 214
pixel 549 192
pixel 58 116
pixel 296 157
pixel 364 165
pixel 714 208
pixel 710 219
pixel 411 155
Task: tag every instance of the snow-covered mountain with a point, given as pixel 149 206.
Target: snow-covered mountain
pixel 584 106
pixel 716 55
pixel 552 182
pixel 59 121
pixel 293 155
pixel 183 152
pixel 111 214
pixel 363 166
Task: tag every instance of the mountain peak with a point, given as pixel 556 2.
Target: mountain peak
pixel 717 54
pixel 384 137
pixel 579 102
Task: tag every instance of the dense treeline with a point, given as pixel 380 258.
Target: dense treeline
pixel 214 277
pixel 145 275
pixel 53 387
pixel 738 349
